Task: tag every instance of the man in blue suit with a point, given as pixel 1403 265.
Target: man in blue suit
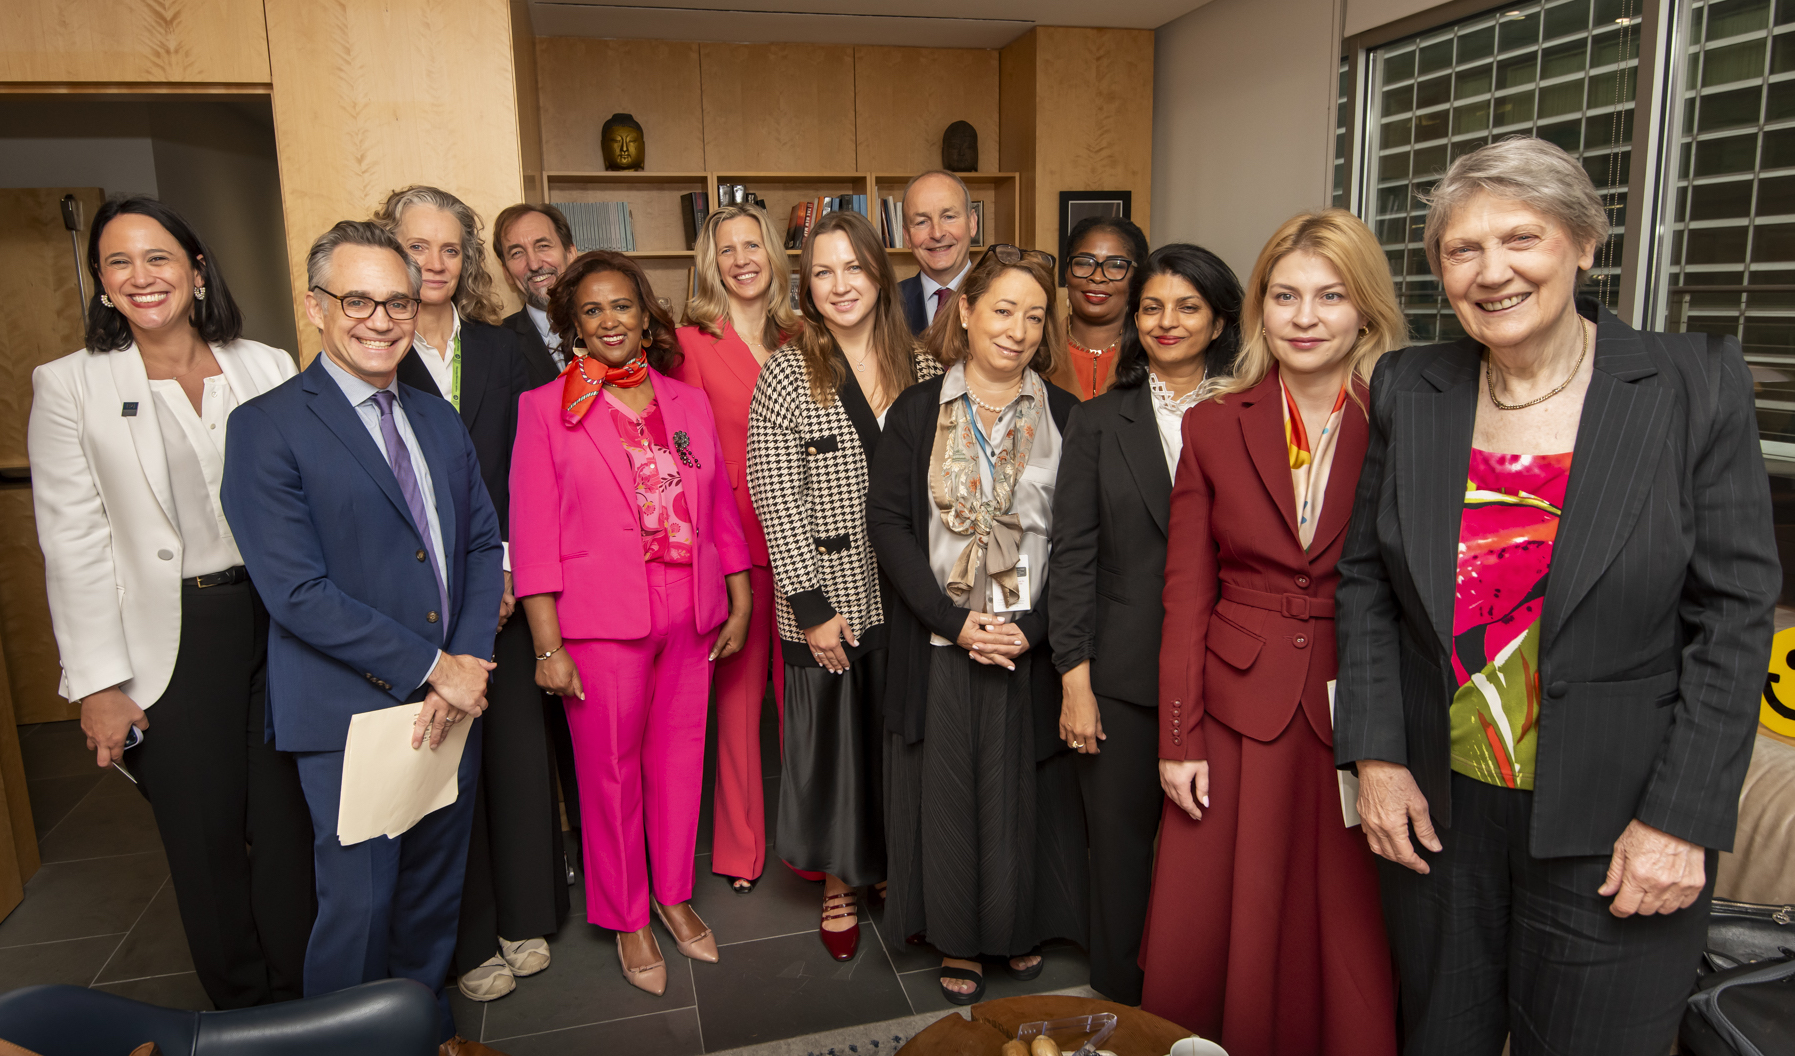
pixel 359 508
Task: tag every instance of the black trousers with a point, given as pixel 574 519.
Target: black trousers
pixel 1122 801
pixel 516 884
pixel 1495 942
pixel 230 808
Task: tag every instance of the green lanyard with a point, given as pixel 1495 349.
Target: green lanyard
pixel 455 376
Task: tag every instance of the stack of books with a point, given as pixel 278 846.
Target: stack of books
pixel 891 223
pixel 804 215
pixel 600 225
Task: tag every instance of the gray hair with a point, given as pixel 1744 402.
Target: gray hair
pixel 965 191
pixel 1532 172
pixel 355 233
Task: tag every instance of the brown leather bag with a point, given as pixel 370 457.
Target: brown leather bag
pixel 7 1048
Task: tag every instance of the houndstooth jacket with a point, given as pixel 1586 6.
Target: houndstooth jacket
pixel 807 476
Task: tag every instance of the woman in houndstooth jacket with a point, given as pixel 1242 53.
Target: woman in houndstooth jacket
pixel 815 418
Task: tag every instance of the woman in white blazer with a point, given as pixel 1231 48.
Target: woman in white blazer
pixel 152 609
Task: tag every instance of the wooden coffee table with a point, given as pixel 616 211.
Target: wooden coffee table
pixel 995 1022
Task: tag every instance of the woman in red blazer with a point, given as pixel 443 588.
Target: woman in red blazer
pixel 627 554
pixel 1264 929
pixel 739 313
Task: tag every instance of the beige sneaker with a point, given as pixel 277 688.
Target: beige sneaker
pixel 489 982
pixel 525 958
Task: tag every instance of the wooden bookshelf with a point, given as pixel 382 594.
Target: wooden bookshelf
pixel 654 203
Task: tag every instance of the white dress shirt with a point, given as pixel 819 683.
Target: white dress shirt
pixel 929 286
pixel 194 445
pixel 440 362
pixel 549 337
pixel 361 397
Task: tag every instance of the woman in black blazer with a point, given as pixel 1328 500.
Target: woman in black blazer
pixel 1110 507
pixel 516 887
pixel 1554 617
pixel 986 851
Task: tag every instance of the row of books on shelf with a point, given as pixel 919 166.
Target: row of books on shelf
pixel 804 217
pixel 600 225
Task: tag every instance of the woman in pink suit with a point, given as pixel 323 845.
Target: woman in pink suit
pixel 739 313
pixel 627 552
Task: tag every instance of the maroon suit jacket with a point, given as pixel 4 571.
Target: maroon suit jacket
pixel 1233 523
pixel 726 371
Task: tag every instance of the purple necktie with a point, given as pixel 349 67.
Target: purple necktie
pixel 400 457
pixel 941 297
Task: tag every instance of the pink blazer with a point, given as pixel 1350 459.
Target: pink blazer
pixel 726 370
pixel 574 528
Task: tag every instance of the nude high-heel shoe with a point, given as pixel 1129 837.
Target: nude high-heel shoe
pixel 651 977
pixel 702 947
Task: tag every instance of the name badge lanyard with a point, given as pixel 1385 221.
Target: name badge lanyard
pixel 455 375
pixel 978 433
pixel 1022 559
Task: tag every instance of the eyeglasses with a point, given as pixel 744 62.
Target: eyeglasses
pixel 1006 254
pixel 358 307
pixel 1115 269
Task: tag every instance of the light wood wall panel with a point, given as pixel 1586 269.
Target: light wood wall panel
pixel 134 40
pixel 1093 120
pixel 1016 127
pixel 529 99
pixel 583 81
pixel 904 99
pixel 372 97
pixel 778 107
pixel 40 320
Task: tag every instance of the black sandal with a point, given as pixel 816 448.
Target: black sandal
pixel 735 883
pixel 1026 974
pixel 954 996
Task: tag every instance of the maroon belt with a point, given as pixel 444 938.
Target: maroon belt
pixel 1295 606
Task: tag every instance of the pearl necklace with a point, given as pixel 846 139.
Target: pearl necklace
pixel 974 397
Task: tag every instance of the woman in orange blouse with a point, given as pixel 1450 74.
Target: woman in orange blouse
pixel 1101 255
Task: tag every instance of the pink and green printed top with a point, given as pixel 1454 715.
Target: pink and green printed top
pixel 1512 506
pixel 660 492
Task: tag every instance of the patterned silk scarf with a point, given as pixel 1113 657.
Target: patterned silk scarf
pixel 954 483
pixel 1310 462
pixel 579 389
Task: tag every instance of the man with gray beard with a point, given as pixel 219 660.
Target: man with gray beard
pixel 535 244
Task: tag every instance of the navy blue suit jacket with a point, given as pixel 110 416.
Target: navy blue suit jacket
pixel 327 538
pixel 910 294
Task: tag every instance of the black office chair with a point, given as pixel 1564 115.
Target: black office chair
pixel 390 1017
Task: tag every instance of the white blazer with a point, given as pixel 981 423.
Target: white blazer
pixel 105 513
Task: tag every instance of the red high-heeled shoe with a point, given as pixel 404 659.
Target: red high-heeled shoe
pixel 840 944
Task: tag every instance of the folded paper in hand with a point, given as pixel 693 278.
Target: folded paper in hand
pixel 388 786
pixel 1349 781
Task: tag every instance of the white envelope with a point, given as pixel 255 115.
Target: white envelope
pixel 388 786
pixel 1349 781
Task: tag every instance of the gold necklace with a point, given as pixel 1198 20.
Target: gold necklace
pixel 1095 352
pixel 1490 377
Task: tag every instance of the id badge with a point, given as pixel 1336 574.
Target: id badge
pixel 1024 589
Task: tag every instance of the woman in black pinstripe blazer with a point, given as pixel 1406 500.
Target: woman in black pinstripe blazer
pixel 1554 618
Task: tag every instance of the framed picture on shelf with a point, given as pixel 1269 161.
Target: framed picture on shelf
pixel 978 235
pixel 1080 205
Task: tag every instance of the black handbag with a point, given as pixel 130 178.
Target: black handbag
pixel 1744 1002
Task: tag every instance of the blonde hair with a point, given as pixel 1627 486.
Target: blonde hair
pixel 1343 240
pixel 709 306
pixel 892 345
pixel 474 293
pixel 950 342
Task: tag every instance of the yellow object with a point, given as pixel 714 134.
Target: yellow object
pixel 1043 1046
pixel 1778 711
pixel 1014 1048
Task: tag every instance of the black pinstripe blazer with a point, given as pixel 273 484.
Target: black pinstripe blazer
pixel 1656 626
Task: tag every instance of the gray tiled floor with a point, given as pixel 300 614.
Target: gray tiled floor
pixel 101 913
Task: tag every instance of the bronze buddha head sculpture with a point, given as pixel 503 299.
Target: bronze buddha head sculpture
pixel 622 141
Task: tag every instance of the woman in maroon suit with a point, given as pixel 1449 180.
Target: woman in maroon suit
pixel 1264 929
pixel 738 315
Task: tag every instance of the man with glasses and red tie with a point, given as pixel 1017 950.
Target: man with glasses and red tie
pixel 360 511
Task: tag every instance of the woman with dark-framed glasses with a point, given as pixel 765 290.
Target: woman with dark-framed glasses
pixel 1101 255
pixel 984 831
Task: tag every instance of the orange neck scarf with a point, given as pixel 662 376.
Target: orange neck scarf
pixel 579 388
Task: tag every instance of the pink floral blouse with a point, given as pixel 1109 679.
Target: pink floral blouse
pixel 660 494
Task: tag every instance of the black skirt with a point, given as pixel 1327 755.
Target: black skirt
pixel 987 845
pixel 831 776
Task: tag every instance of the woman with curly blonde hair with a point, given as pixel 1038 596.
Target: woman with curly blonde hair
pixel 516 891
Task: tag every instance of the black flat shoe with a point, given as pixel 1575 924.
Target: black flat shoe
pixel 1027 974
pixel 736 882
pixel 954 996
